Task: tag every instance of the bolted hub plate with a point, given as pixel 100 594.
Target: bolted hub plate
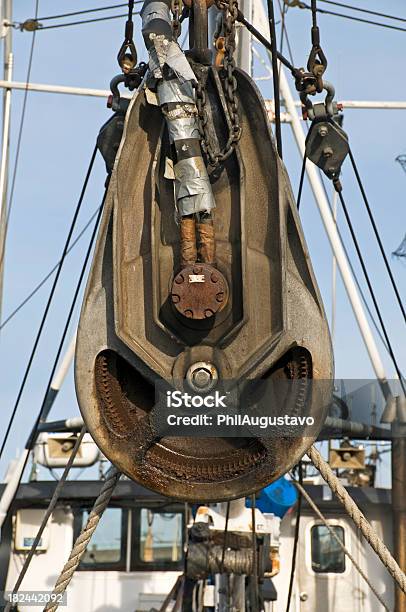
pixel 199 291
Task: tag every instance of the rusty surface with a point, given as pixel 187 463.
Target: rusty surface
pixel 199 291
pixel 188 247
pixel 207 242
pixel 130 335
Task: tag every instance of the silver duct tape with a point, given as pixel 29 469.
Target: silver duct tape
pixel 175 91
pixel 201 202
pixel 176 60
pixel 163 51
pixel 192 186
pixel 155 10
pixel 180 111
pixel 179 129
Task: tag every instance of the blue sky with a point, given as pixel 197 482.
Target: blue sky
pixel 365 63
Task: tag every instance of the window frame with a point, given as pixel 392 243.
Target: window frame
pixel 119 565
pixel 137 564
pixel 326 574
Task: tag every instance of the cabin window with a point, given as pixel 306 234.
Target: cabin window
pixel 327 556
pixel 106 549
pixel 161 537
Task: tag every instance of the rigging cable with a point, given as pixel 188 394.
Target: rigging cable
pixel 49 274
pixel 362 294
pixel 19 139
pixel 43 413
pixel 49 301
pixel 49 510
pixel 377 236
pixel 296 539
pixel 276 93
pixel 369 284
pixel 92 10
pixel 358 19
pixel 74 23
pixel 355 277
pixel 363 10
pixel 223 552
pixel 254 594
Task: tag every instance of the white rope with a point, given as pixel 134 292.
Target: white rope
pixel 339 542
pixel 359 519
pixel 79 548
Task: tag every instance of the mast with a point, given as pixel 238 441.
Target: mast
pixel 6 34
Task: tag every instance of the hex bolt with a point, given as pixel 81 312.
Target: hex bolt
pixel 214 278
pixel 197 270
pixel 220 296
pixel 179 279
pixel 323 130
pixel 188 313
pixel 328 152
pixel 201 378
pixel 175 298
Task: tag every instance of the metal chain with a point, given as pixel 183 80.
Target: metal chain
pixel 215 156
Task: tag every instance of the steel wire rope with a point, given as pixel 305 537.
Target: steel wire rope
pixel 352 18
pixel 223 552
pixel 254 595
pixel 295 540
pixel 376 232
pixel 51 506
pixel 371 290
pixel 92 10
pixel 321 516
pixel 49 301
pixel 42 415
pixel 363 10
pixel 19 140
pixel 361 292
pixel 49 274
pixel 75 23
pixel 275 79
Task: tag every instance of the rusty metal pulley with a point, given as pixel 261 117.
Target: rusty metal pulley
pixel 268 324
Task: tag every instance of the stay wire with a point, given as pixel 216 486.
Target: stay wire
pixel 358 19
pixel 48 275
pixel 296 539
pixel 301 181
pixel 275 73
pixel 49 301
pixel 42 415
pixel 377 236
pixel 354 275
pixel 49 510
pixel 19 138
pixel 223 553
pixel 371 290
pixel 254 580
pixel 75 23
pixel 362 10
pixel 45 407
pixel 86 11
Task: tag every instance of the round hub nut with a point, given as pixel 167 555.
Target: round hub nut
pixel 199 291
pixel 202 376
